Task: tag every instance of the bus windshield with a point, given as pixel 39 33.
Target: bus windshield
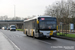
pixel 47 24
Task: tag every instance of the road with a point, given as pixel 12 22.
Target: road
pixel 28 43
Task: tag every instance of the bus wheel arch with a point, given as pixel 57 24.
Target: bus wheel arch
pixel 26 33
pixel 33 34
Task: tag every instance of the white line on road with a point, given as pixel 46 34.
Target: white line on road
pixel 11 42
pixel 18 47
pixel 14 44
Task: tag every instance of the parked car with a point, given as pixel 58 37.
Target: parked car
pixel 12 28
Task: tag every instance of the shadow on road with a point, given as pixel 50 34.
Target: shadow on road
pixel 47 39
pixel 44 39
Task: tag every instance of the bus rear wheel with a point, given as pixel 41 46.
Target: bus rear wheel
pixel 33 35
pixel 26 34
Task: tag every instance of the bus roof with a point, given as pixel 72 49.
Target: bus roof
pixel 30 19
pixel 36 18
pixel 44 16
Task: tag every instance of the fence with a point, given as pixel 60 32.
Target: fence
pixel 64 28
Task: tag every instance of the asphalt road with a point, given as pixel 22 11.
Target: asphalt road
pixel 28 43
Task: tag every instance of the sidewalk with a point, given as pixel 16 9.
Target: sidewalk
pixel 4 43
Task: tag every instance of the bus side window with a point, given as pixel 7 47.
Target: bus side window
pixel 36 26
pixel 33 24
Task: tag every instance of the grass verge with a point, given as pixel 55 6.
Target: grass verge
pixel 66 35
pixel 19 29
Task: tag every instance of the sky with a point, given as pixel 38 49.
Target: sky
pixel 24 8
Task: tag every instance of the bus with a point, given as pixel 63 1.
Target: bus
pixel 41 26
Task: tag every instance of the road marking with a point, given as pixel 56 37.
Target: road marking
pixel 18 47
pixel 11 42
pixel 14 44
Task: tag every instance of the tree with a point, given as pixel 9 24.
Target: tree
pixel 4 17
pixel 62 11
pixel 16 18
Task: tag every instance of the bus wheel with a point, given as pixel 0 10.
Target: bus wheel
pixel 33 35
pixel 26 34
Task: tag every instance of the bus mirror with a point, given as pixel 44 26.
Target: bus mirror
pixel 37 22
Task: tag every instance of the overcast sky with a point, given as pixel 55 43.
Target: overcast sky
pixel 24 8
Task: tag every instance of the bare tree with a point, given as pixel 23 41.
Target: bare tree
pixel 4 17
pixel 62 10
pixel 16 18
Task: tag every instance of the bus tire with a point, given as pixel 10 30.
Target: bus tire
pixel 33 35
pixel 26 33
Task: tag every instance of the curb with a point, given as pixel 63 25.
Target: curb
pixel 67 38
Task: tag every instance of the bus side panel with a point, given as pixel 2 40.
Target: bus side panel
pixel 26 25
pixel 33 27
pixel 23 27
pixel 29 26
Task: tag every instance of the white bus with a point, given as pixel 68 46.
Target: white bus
pixel 42 26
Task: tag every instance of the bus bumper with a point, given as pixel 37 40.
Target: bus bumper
pixel 47 33
pixel 42 35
